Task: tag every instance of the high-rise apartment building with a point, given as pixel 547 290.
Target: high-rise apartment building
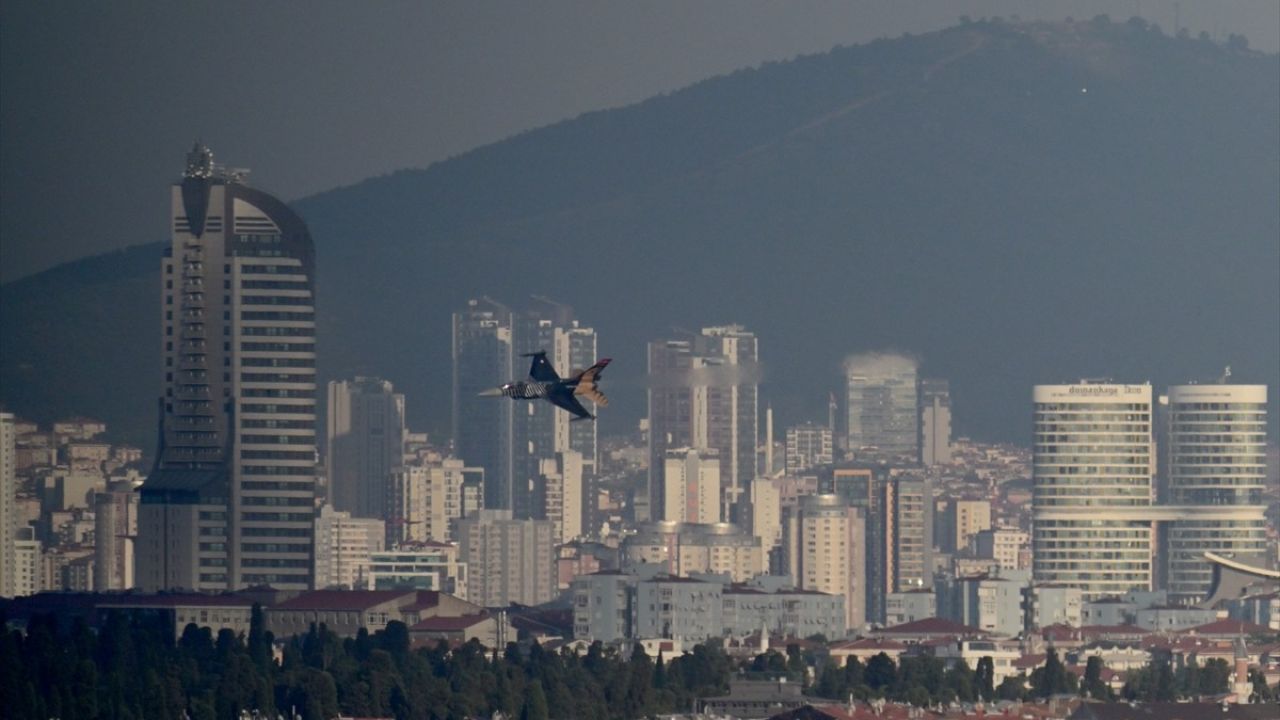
pixel 703 394
pixel 766 512
pixel 344 545
pixel 935 422
pixel 115 514
pixel 825 550
pixel 230 502
pixel 962 519
pixel 1217 473
pixel 883 413
pixel 1092 467
pixel 691 484
pixel 508 560
pixel 8 491
pixel 686 548
pixel 482 427
pixel 365 442
pixel 808 445
pixel 561 495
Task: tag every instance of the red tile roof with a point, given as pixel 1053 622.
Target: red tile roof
pixel 1230 627
pixel 344 599
pixel 929 626
pixel 869 644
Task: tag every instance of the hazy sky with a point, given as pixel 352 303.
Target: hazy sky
pixel 99 101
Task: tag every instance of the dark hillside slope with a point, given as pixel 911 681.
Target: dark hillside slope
pixel 1018 204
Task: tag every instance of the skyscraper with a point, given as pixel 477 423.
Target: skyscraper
pixel 882 409
pixel 692 484
pixel 365 442
pixel 1092 467
pixel 1217 474
pixel 703 395
pixel 808 445
pixel 115 515
pixel 825 550
pixel 230 502
pixel 8 488
pixel 935 422
pixel 482 427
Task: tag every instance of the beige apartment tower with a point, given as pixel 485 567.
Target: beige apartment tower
pixel 230 502
pixel 825 541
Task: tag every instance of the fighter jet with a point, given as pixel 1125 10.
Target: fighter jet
pixel 544 382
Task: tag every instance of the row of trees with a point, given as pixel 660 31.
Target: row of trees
pixel 133 669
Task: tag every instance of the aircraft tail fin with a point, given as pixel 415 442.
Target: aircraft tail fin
pixel 586 383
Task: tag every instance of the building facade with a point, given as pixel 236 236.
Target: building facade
pixel 691 484
pixel 703 394
pixel 509 560
pixel 115 515
pixel 482 429
pixel 935 422
pixel 230 502
pixel 366 434
pixel 8 513
pixel 808 445
pixel 825 551
pixel 344 545
pixel 1092 468
pixel 883 412
pixel 1216 461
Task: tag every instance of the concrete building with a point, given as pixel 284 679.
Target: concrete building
pixel 346 612
pixel 602 606
pixel 935 422
pixel 419 566
pixel 910 606
pixel 766 512
pixel 8 513
pixel 677 608
pixel 540 431
pixel 825 550
pixel 561 485
pixel 1004 545
pixel 1003 655
pixel 962 519
pixel 808 445
pixel 1093 463
pixel 883 411
pixel 508 560
pixel 28 575
pixel 787 612
pixel 344 546
pixel 366 435
pixel 1055 605
pixel 703 394
pixel 687 548
pixel 691 486
pixel 115 530
pixel 482 431
pixel 230 502
pixel 990 603
pixel 1216 461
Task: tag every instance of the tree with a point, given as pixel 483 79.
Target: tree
pixel 535 705
pixel 1215 677
pixel 985 678
pixel 1261 692
pixel 1052 679
pixel 1013 687
pixel 881 672
pixel 1093 686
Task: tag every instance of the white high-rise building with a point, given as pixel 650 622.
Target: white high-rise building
pixel 883 413
pixel 766 512
pixel 1216 452
pixel 562 489
pixel 508 560
pixel 703 394
pixel 344 546
pixel 366 435
pixel 115 515
pixel 28 575
pixel 231 501
pixel 1093 464
pixel 8 490
pixel 808 445
pixel 691 482
pixel 825 550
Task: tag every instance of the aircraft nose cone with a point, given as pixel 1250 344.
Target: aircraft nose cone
pixel 492 392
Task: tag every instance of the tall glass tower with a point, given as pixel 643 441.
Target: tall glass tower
pixel 482 427
pixel 883 412
pixel 231 500
pixel 1217 473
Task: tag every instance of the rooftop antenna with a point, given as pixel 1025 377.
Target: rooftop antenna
pixel 1226 375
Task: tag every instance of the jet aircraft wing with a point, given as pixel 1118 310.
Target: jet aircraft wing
pixel 541 370
pixel 562 397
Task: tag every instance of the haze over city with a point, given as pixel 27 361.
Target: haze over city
pixel 679 360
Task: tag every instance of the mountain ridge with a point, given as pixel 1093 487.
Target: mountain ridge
pixel 986 195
